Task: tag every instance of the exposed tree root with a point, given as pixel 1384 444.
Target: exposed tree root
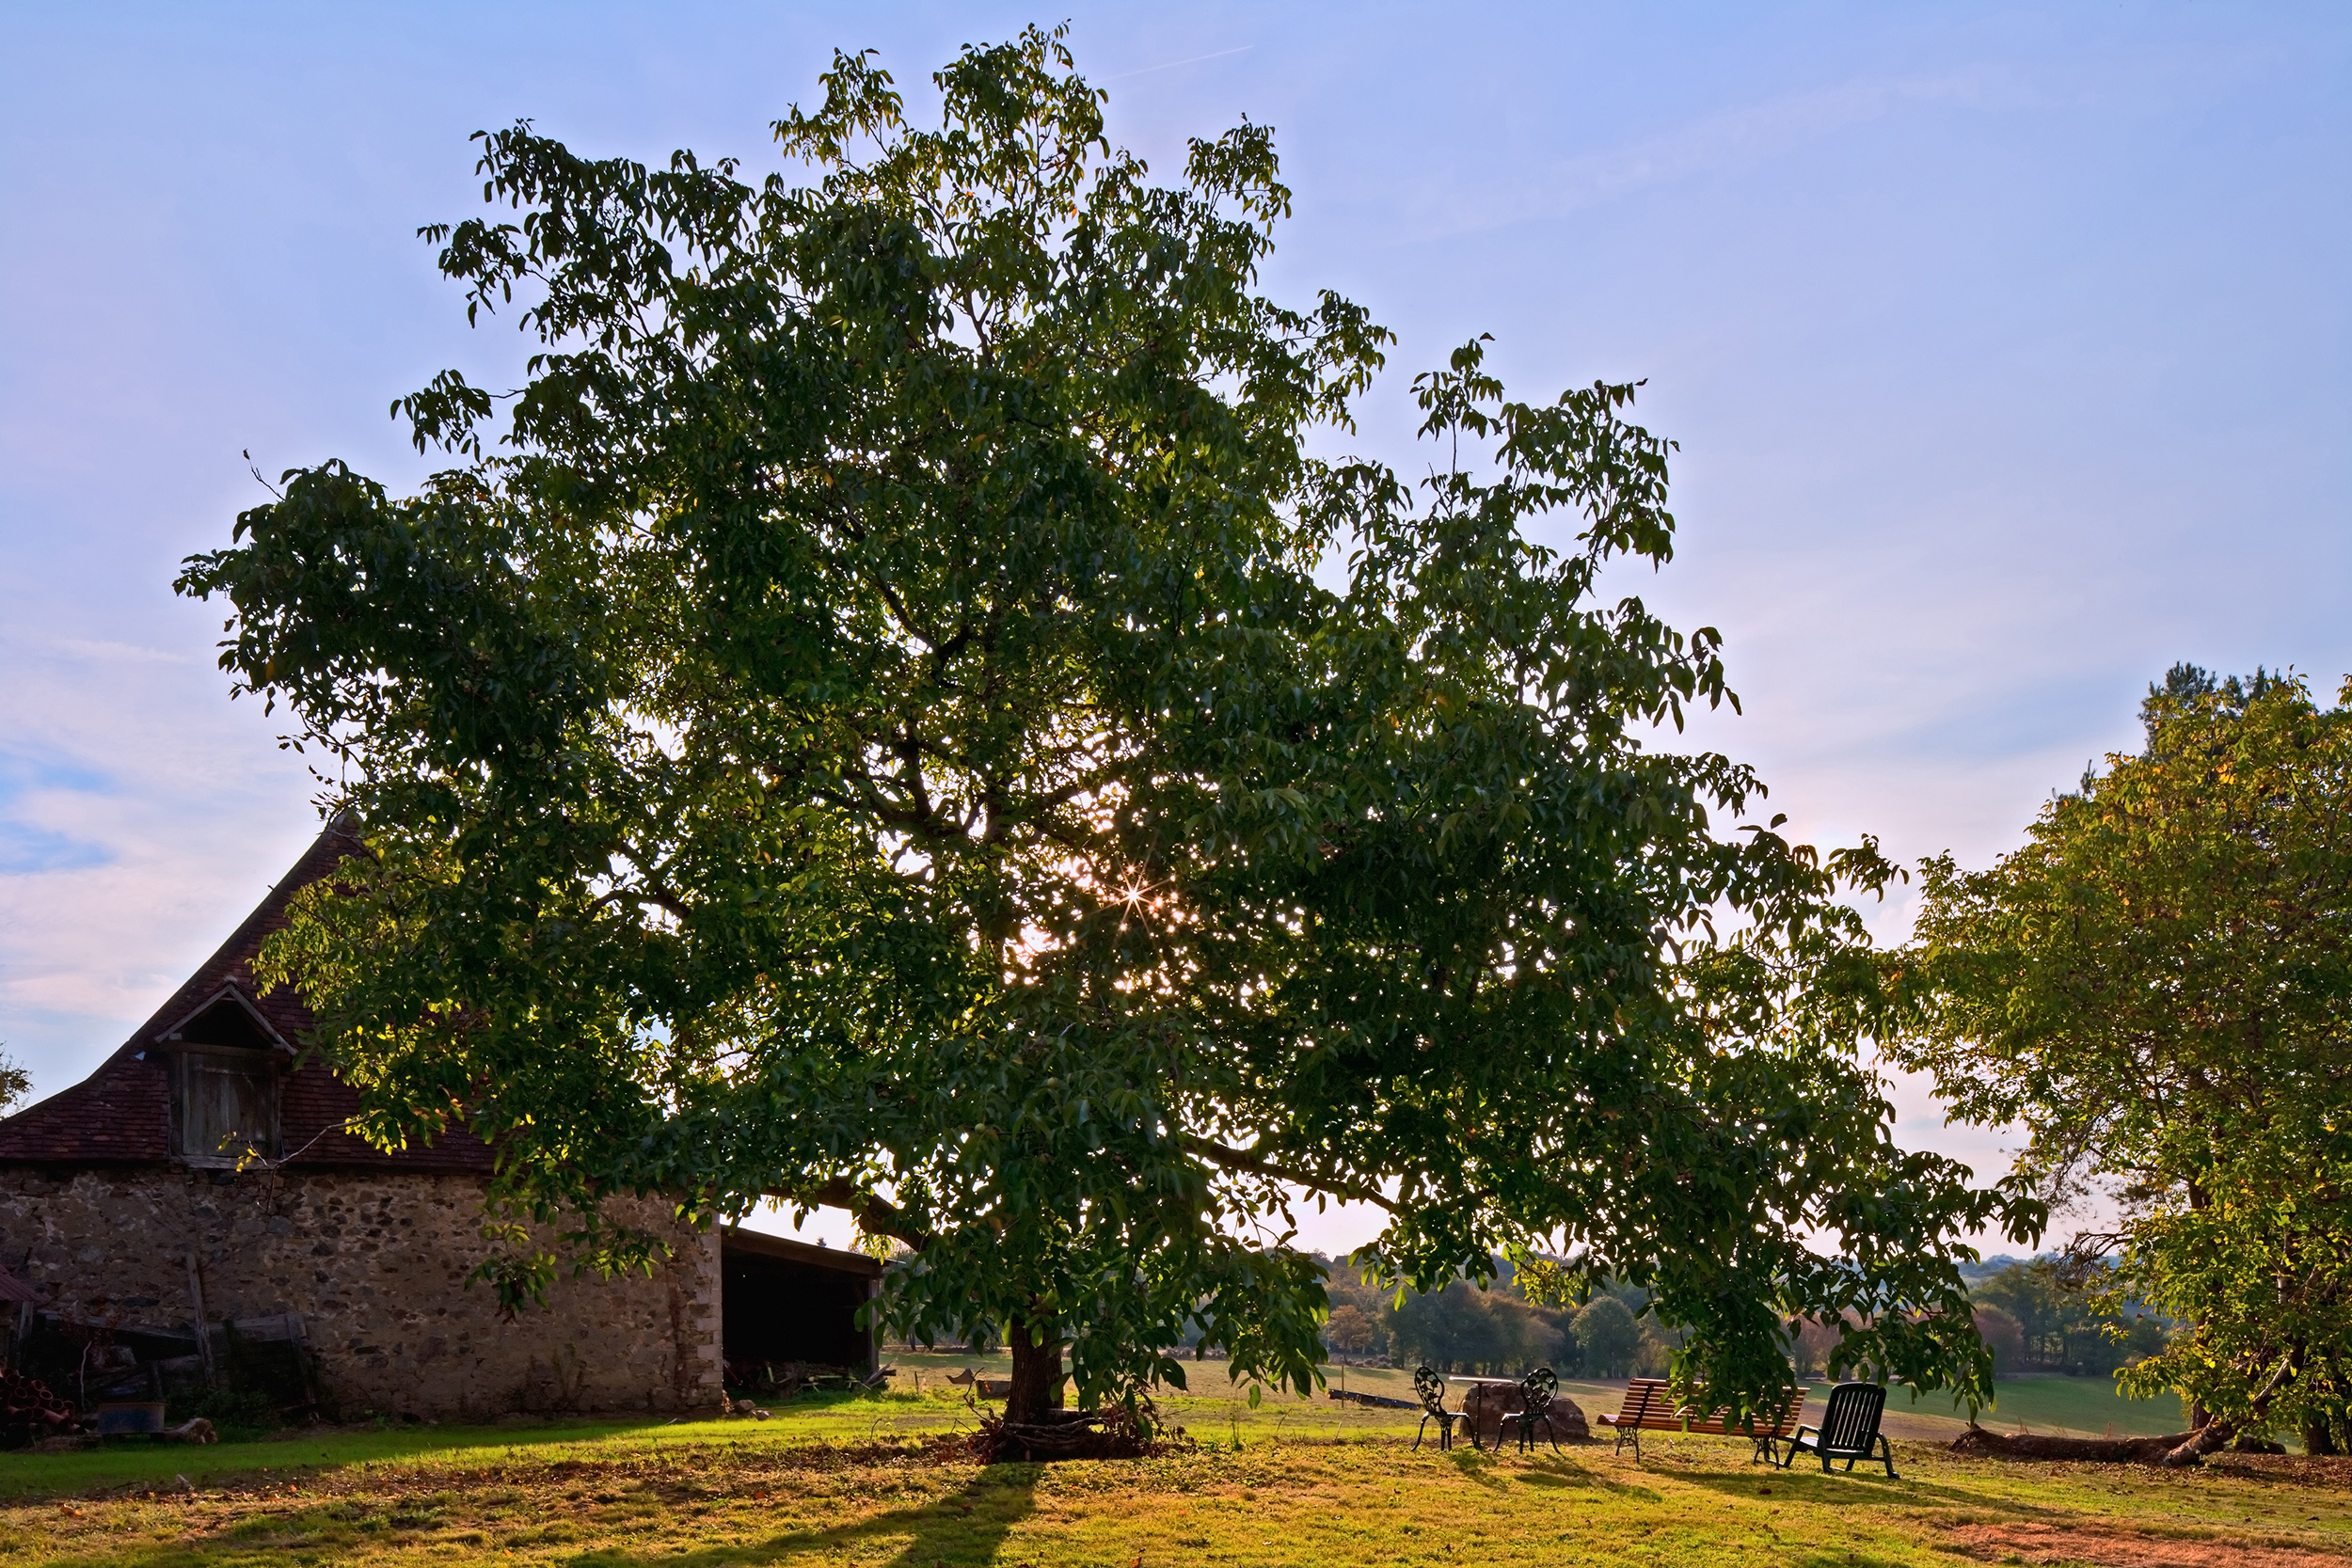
pixel 1066 1434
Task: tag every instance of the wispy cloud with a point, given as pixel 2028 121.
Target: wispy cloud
pixel 25 849
pixel 122 653
pixel 22 773
pixel 141 815
pixel 1717 144
pixel 28 845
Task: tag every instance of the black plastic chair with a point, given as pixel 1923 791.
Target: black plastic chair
pixel 1431 1387
pixel 1849 1430
pixel 1537 1392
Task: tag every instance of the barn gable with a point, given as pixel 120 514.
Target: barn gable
pixel 194 1201
pixel 136 1108
pixel 195 1194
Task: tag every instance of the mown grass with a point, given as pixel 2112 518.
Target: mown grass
pixel 863 1481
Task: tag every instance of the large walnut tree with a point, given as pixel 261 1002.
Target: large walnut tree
pixel 893 714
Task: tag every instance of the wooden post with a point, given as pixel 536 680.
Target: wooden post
pixel 203 1330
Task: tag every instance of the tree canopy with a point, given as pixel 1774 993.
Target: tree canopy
pixel 2159 987
pixel 893 712
pixel 15 1083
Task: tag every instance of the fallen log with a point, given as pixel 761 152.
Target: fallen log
pixel 1381 1400
pixel 1978 1443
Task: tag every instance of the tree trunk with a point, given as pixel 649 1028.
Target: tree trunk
pixel 1037 1376
pixel 2319 1437
pixel 2210 1438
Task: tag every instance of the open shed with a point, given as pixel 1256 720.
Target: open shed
pixel 787 1302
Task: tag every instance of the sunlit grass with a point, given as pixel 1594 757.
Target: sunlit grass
pixel 861 1480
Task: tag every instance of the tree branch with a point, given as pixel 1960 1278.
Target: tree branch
pixel 874 1215
pixel 1252 1164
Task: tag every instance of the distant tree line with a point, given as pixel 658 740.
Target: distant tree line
pixel 2035 1322
pixel 1494 1329
pixel 2034 1318
pixel 1463 1327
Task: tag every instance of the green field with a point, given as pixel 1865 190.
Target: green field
pixel 877 1479
pixel 2074 1406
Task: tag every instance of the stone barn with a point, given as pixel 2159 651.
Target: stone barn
pixel 140 1262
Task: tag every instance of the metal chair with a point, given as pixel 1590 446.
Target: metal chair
pixel 1849 1430
pixel 1537 1392
pixel 1431 1387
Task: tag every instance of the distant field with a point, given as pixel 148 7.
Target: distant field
pixel 2066 1407
pixel 2088 1406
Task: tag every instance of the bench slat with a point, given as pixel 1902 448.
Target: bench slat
pixel 1648 1407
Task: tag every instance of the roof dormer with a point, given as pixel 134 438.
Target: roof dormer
pixel 226 1020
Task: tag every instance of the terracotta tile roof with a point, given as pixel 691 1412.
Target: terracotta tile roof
pixel 121 1113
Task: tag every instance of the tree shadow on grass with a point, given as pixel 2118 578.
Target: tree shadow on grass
pixel 1557 1471
pixel 1838 1489
pixel 1551 1470
pixel 1475 1467
pixel 136 1462
pixel 964 1527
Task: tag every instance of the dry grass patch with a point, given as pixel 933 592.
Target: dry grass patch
pixel 2106 1547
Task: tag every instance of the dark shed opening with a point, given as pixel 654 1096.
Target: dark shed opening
pixel 786 1301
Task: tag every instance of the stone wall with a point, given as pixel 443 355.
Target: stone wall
pixel 376 1263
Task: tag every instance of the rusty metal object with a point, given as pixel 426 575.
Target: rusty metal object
pixel 29 1413
pixel 783 1380
pixel 982 1387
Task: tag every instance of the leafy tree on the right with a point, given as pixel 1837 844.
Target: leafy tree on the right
pixel 2158 986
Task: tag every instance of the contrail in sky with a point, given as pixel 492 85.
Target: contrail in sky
pixel 1173 64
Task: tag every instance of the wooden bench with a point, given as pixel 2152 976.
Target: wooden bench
pixel 1649 1406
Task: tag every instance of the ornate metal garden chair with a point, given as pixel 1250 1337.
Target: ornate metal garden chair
pixel 1849 1430
pixel 1431 1387
pixel 1537 1392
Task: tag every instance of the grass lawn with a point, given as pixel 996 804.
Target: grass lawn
pixel 861 1480
pixel 2078 1406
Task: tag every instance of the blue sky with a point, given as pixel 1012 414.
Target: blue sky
pixel 2008 351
